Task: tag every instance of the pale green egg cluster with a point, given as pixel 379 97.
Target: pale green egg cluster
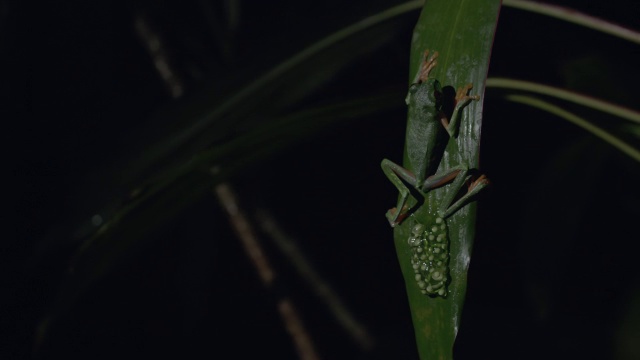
pixel 430 257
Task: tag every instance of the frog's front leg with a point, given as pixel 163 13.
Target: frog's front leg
pixel 401 177
pixel 462 99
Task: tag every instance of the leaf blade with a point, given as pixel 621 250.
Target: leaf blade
pixel 462 32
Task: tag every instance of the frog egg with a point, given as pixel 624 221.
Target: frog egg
pixel 436 250
pixel 419 249
pixel 430 258
pixel 440 238
pixel 441 292
pixel 443 227
pixel 434 228
pixel 415 265
pixel 431 237
pixel 418 277
pixel 429 289
pixel 417 229
pixel 424 257
pixel 421 284
pixel 423 267
pixel 424 292
pixel 437 275
pixel 439 220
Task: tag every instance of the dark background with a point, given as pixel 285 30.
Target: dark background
pixel 553 272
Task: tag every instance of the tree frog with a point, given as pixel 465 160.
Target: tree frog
pixel 426 140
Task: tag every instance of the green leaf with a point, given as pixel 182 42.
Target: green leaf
pixel 462 32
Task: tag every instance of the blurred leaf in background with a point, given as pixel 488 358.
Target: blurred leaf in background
pixel 552 273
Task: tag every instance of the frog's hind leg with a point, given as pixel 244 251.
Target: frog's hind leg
pixel 399 177
pixel 448 207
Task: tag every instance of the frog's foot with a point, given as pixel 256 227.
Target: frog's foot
pixel 428 65
pixel 481 182
pixel 463 97
pixel 464 180
pixel 391 217
pixel 475 186
pixel 394 218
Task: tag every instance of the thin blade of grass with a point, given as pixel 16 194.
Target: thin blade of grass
pixel 616 142
pixel 576 17
pixel 584 100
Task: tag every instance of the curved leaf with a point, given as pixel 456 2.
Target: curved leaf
pixel 462 32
